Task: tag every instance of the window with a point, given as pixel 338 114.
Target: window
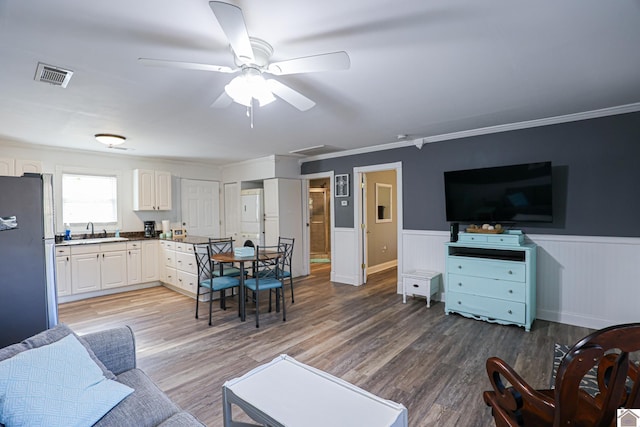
pixel 89 198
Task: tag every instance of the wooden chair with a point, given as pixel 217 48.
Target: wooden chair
pixel 568 404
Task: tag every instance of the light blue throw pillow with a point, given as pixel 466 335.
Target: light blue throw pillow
pixel 56 385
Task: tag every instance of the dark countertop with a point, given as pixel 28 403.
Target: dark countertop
pixel 192 240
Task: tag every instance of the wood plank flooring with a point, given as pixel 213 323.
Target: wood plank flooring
pixel 431 363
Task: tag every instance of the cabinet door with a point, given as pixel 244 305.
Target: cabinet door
pixel 163 190
pixel 271 197
pixel 150 261
pixel 134 266
pixel 7 166
pixel 144 190
pixel 63 275
pixel 27 166
pixel 113 269
pixel 231 206
pixel 271 231
pixel 85 273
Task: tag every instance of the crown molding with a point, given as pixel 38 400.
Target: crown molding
pixel 547 121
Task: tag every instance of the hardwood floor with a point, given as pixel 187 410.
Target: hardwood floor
pixel 431 363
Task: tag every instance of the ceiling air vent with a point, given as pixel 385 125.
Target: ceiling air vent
pixel 53 75
pixel 316 150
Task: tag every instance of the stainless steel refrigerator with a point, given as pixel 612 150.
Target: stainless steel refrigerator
pixel 28 299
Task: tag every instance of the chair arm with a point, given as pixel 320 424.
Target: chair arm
pixel 519 395
pixel 116 348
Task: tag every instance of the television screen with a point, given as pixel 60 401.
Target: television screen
pixel 508 194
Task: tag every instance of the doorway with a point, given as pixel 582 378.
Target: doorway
pixel 319 220
pixel 390 213
pixel 379 219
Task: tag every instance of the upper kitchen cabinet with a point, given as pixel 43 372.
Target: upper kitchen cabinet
pixel 18 167
pixel 151 190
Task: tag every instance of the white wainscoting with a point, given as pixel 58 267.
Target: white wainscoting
pixel 587 281
pixel 344 261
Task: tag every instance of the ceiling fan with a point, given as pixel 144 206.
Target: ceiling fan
pixel 252 61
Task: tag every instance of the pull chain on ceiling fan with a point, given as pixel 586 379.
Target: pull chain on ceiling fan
pixel 251 57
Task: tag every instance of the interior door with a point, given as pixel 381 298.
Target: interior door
pixel 231 206
pixel 201 207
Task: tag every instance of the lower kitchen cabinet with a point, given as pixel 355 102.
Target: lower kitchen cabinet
pixel 63 271
pixel 134 263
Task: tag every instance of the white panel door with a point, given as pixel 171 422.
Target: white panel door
pixel 231 205
pixel 201 207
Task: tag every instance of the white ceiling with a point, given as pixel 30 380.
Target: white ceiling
pixel 418 67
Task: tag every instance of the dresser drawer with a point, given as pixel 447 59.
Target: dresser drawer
pixel 472 238
pixel 503 289
pixel 187 281
pixel 501 270
pixel 506 239
pixel 490 308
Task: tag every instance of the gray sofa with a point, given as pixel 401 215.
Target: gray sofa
pixel 115 348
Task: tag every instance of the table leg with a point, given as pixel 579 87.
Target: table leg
pixel 242 291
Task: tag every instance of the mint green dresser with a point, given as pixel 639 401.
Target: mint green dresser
pixel 492 277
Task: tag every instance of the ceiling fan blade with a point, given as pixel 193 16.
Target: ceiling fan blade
pixel 309 64
pixel 186 65
pixel 232 22
pixel 289 95
pixel 223 101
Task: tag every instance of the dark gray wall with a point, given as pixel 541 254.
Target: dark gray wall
pixel 595 172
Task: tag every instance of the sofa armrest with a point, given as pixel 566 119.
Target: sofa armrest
pixel 116 348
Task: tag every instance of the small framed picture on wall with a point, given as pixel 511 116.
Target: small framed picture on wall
pixel 342 185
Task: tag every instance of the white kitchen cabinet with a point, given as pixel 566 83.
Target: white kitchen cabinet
pixel 151 190
pixel 96 267
pixel 113 269
pixel 186 268
pixel 168 262
pixel 27 166
pixel 7 166
pixel 85 272
pixel 150 257
pixel 134 262
pixel 283 215
pixel 63 271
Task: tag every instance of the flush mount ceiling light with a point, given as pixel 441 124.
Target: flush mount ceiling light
pixel 110 139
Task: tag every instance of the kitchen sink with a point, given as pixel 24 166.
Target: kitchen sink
pixel 94 240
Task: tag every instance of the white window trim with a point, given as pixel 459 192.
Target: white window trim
pixel 81 228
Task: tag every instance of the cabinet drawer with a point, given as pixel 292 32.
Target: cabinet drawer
pixel 421 286
pixel 170 276
pixel 186 262
pixel 506 239
pixel 134 245
pixel 85 249
pixel 168 244
pixel 503 289
pixel 490 308
pixel 63 250
pixel 187 281
pixel 169 258
pixel 184 247
pixel 502 270
pixel 472 238
pixel 111 247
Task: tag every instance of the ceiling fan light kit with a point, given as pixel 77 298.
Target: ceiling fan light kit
pixel 251 57
pixel 110 139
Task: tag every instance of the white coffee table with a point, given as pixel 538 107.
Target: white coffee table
pixel 285 392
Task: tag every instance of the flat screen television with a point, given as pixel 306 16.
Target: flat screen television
pixel 504 194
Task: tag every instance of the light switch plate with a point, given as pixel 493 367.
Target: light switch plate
pixel 344 203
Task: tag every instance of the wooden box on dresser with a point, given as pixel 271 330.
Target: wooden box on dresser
pixel 492 277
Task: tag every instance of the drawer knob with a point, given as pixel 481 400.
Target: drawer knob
pixel 459 302
pixel 459 284
pixel 510 272
pixel 510 291
pixel 460 266
pixel 415 285
pixel 510 312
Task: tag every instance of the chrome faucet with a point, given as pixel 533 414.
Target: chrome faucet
pixel 90 224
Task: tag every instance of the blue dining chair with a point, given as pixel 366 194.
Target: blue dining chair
pixel 267 267
pixel 207 280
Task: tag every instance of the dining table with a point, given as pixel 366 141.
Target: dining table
pixel 230 257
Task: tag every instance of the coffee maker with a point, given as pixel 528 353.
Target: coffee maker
pixel 149 229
